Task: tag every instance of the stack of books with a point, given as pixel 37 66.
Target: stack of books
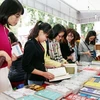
pixel 78 97
pixel 93 83
pixel 88 96
pixel 62 89
pixel 31 97
pixel 90 91
pixel 94 69
pixel 49 94
pixel 19 93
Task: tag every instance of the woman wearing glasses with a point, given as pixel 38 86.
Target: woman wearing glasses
pixel 68 46
pixel 53 46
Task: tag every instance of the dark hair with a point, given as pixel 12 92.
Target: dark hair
pixel 90 33
pixel 72 31
pixel 56 30
pixel 39 26
pixel 8 8
pixel 13 38
pixel 19 44
pixel 77 35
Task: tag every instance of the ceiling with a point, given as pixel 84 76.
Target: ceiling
pixel 84 4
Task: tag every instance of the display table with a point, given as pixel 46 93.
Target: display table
pixel 78 80
pixel 5 97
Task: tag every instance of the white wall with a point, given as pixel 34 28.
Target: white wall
pixel 54 7
pixel 89 16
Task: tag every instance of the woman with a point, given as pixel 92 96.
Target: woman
pixel 85 47
pixel 53 46
pixel 33 57
pixel 10 12
pixel 68 46
pixel 16 72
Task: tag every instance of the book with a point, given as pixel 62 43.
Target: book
pixel 13 94
pixel 26 91
pixel 71 68
pixel 93 68
pixel 59 73
pixel 19 93
pixel 17 50
pixel 49 94
pixel 70 86
pixel 93 83
pixel 90 91
pixel 87 95
pixel 77 97
pixel 95 63
pixel 62 89
pixel 31 97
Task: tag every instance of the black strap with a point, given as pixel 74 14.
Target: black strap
pixel 88 48
pixel 86 45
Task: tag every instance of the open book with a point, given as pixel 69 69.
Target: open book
pixel 59 73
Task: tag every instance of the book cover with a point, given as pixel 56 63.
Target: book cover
pixel 26 91
pixel 13 94
pixel 90 91
pixel 62 89
pixel 91 68
pixel 93 83
pixel 31 97
pixel 87 95
pixel 77 97
pixel 49 94
pixel 59 73
pixel 17 50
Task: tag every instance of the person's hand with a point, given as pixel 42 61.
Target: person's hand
pixel 88 53
pixel 8 59
pixel 14 57
pixel 70 57
pixel 48 75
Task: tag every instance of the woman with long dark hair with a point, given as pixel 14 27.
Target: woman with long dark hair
pixel 33 57
pixel 87 47
pixel 10 12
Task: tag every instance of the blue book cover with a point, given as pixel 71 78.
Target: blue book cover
pixel 31 97
pixel 87 95
pixel 91 91
pixel 49 94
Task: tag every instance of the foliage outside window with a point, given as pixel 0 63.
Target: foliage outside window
pixel 86 27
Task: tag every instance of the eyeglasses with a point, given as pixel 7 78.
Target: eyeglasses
pixel 60 36
pixel 70 36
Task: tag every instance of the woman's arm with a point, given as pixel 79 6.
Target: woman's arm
pixel 8 58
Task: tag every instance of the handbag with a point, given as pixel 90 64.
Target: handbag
pixel 93 52
pixel 2 60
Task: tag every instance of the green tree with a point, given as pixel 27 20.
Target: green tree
pixel 86 27
pixel 71 25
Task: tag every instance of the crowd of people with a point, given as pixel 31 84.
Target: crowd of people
pixel 46 47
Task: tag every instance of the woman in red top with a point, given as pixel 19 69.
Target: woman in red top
pixel 10 12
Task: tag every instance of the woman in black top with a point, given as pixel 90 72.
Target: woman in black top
pixel 68 44
pixel 33 57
